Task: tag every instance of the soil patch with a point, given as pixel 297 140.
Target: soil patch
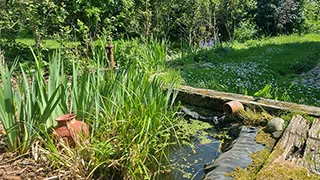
pixel 15 167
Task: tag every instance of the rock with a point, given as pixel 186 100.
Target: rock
pixel 276 124
pixel 237 156
pixel 276 134
pixel 32 174
pixel 234 131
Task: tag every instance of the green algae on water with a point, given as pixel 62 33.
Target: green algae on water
pixel 196 129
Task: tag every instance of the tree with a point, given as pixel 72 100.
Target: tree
pixel 42 17
pixel 288 16
pixel 311 11
pixel 279 17
pixel 265 16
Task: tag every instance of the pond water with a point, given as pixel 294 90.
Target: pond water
pixel 188 160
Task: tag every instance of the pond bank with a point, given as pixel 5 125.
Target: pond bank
pixel 215 99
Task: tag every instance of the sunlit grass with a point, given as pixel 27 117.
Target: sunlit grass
pixel 278 40
pixel 248 67
pixel 48 43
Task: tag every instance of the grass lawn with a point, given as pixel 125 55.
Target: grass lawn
pixel 272 66
pixel 48 43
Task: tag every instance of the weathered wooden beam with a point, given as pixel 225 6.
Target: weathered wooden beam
pixel 215 99
pixel 298 148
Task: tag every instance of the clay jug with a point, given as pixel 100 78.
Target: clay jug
pixel 69 128
pixel 232 108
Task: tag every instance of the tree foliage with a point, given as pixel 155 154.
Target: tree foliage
pixel 187 20
pixel 42 18
pixel 311 11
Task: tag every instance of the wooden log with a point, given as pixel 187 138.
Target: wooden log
pixel 299 146
pixel 293 140
pixel 312 151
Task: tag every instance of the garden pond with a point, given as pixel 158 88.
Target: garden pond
pixel 201 146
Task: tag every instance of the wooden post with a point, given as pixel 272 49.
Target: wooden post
pixel 109 49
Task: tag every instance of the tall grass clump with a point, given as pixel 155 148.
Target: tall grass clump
pixel 255 117
pixel 148 55
pixel 28 105
pixel 138 119
pixel 132 123
pixel 131 118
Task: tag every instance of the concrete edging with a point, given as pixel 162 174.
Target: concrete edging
pixel 215 99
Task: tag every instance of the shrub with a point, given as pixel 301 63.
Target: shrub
pixel 246 30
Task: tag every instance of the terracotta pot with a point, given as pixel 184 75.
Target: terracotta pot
pixel 69 128
pixel 232 107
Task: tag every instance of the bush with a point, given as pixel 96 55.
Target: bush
pixel 150 55
pixel 13 50
pixel 246 30
pixel 311 12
